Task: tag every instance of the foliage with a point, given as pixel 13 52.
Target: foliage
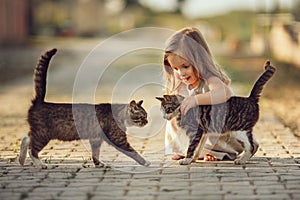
pixel 236 24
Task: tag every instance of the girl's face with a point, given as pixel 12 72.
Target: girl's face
pixel 183 70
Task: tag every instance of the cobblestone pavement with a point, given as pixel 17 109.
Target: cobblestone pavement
pixel 273 173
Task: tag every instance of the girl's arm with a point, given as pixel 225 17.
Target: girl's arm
pixel 219 93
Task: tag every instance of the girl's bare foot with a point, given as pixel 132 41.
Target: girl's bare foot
pixel 177 157
pixel 209 157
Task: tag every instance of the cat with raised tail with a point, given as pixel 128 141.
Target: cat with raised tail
pixel 236 116
pixel 67 122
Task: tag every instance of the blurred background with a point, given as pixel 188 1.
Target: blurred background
pixel 248 27
pixel 242 34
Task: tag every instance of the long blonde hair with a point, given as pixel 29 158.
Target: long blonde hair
pixel 189 44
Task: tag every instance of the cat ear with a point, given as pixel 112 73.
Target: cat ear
pixel 140 103
pixel 167 97
pixel 132 103
pixel 160 98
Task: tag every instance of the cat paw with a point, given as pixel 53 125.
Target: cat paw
pixel 185 161
pixel 240 161
pixel 44 166
pixel 147 163
pixel 22 160
pixel 99 165
pixel 41 166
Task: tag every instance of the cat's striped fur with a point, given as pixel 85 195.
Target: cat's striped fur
pixel 238 115
pixel 67 122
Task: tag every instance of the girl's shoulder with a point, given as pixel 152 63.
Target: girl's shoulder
pixel 215 82
pixel 213 78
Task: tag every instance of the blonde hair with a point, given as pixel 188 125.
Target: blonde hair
pixel 190 44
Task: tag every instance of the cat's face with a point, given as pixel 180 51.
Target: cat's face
pixel 138 115
pixel 170 105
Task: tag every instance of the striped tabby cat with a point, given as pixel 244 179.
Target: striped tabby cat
pixel 69 122
pixel 238 115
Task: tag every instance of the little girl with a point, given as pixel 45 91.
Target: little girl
pixel 191 71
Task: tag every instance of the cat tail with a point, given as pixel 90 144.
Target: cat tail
pixel 261 81
pixel 23 150
pixel 40 76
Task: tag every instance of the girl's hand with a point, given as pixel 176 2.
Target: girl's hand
pixel 188 103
